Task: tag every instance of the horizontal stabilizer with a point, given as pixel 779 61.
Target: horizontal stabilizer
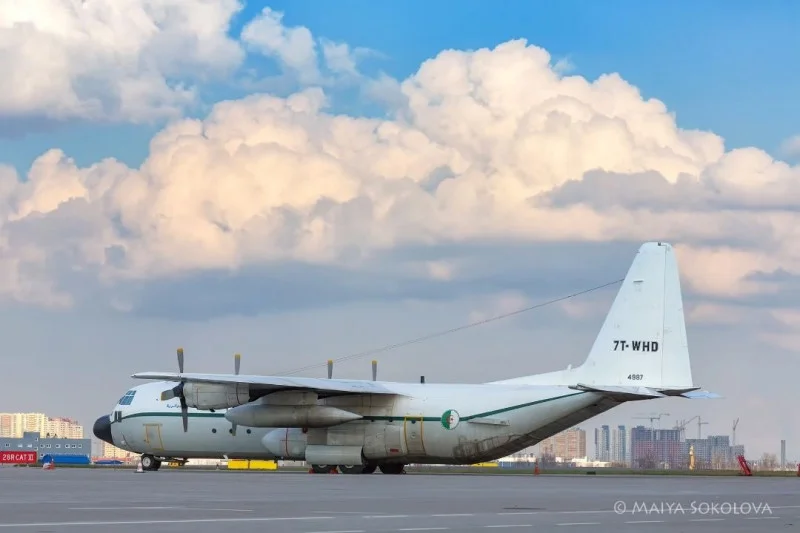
pixel 691 393
pixel 621 392
pixel 701 395
pixel 626 393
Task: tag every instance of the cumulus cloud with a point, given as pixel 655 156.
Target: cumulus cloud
pixel 302 57
pixel 130 60
pixel 487 146
pixel 791 146
pixel 145 60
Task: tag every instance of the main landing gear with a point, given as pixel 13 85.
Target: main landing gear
pixel 389 468
pixel 150 463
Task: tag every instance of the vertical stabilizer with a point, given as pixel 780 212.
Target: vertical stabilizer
pixel 643 340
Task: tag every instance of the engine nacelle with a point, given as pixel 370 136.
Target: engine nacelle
pixel 216 395
pixel 261 415
pixel 288 444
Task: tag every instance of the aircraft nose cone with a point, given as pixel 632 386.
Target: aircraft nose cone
pixel 102 429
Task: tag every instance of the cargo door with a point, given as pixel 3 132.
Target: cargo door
pixel 414 433
pixel 152 437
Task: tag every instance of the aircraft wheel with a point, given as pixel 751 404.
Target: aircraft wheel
pixel 392 468
pixel 322 469
pixel 356 469
pixel 156 465
pixel 369 469
pixel 148 462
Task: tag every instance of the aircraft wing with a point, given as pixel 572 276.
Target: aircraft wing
pixel 275 383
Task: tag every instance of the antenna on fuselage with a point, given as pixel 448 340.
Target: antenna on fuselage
pixel 330 368
pixel 374 370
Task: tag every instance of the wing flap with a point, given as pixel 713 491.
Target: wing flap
pixel 275 382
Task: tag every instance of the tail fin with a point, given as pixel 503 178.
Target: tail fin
pixel 643 340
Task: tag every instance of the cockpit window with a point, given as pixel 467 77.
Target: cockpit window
pixel 128 398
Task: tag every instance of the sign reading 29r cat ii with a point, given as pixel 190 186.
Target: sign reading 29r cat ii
pixel 635 346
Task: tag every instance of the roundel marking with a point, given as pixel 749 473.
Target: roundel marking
pixel 450 419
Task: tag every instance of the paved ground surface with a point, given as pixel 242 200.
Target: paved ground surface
pixel 172 501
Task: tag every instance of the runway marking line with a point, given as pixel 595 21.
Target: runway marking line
pixel 158 508
pixel 390 516
pixel 142 507
pixel 452 514
pixel 422 528
pixel 174 521
pixel 343 531
pixel 557 512
pixel 510 525
pixel 579 524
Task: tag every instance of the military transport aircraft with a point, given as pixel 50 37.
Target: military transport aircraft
pixel 640 353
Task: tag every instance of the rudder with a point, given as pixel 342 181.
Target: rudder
pixel 643 339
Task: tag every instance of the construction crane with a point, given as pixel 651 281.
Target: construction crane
pixel 733 437
pixel 684 423
pixel 651 418
pixel 700 425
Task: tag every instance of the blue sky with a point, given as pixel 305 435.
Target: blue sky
pixel 293 232
pixel 719 66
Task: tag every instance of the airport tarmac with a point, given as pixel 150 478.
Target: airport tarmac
pixel 122 501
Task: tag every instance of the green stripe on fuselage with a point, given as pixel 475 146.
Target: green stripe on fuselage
pixel 479 415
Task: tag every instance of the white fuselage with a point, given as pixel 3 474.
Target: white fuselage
pixel 640 353
pixel 423 423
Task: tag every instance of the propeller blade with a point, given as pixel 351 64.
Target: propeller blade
pixel 184 414
pixel 180 360
pixel 330 368
pixel 237 362
pixel 374 370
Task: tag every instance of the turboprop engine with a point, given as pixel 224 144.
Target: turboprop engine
pixel 207 396
pixel 289 416
pixel 216 395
